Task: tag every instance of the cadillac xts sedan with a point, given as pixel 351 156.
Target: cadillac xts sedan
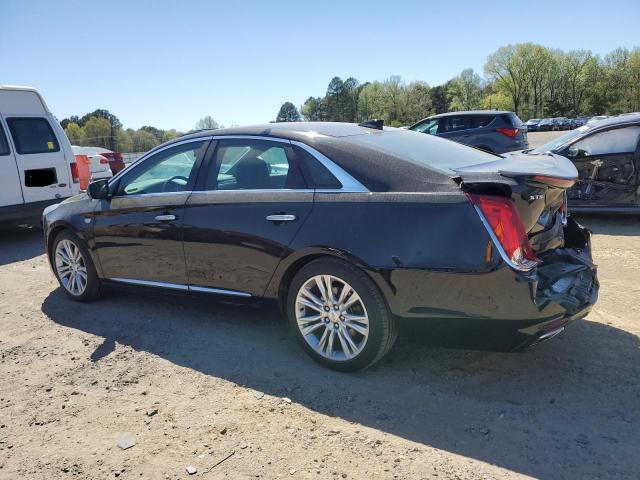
pixel 349 227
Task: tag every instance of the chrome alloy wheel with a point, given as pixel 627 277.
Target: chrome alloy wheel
pixel 71 268
pixel 332 317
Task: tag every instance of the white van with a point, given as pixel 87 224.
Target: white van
pixel 37 165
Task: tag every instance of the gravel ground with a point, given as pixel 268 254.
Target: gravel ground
pixel 225 389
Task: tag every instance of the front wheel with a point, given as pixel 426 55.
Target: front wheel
pixel 339 315
pixel 74 268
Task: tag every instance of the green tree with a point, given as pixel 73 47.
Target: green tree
pixel 124 143
pixel 170 135
pixel 98 133
pixel 418 102
pixel 440 98
pixel 143 141
pixel 313 109
pixel 466 90
pixel 288 113
pixel 75 134
pixel 207 123
pixel 509 68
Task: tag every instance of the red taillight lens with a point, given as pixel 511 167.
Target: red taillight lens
pixel 104 161
pixel 509 132
pixel 74 172
pixel 503 218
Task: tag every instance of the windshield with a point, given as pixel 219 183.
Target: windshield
pixel 561 140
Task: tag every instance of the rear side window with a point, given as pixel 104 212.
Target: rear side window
pixel 33 135
pixel 4 146
pixel 318 176
pixel 453 124
pixel 479 121
pixel 512 119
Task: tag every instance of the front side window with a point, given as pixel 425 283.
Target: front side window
pixel 620 140
pixel 32 135
pixel 254 165
pixel 4 145
pixel 167 171
pixel 428 126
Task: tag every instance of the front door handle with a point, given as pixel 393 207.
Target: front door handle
pixel 281 218
pixel 165 218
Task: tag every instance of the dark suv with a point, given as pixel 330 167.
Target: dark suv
pixel 489 130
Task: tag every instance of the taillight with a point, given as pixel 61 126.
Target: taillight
pixel 104 161
pixel 74 172
pixel 509 132
pixel 507 228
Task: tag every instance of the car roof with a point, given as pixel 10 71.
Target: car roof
pixel 633 117
pixel 471 112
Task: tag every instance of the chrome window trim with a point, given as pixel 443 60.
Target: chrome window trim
pixel 349 184
pixel 157 150
pixel 181 287
pixel 186 193
pixel 250 137
pixel 255 190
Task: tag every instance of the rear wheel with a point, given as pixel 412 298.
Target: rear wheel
pixel 74 268
pixel 339 316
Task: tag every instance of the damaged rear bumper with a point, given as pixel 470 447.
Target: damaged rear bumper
pixel 567 278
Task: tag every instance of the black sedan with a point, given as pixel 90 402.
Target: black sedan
pixel 606 154
pixel 349 227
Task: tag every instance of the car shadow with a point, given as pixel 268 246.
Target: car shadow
pixel 601 224
pixel 19 243
pixel 566 409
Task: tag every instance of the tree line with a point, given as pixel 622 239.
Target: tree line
pixel 101 128
pixel 527 78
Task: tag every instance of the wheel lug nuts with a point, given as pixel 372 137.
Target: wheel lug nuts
pixel 335 307
pixel 326 309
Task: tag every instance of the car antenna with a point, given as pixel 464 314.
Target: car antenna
pixel 375 123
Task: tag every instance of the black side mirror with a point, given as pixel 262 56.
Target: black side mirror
pixel 99 189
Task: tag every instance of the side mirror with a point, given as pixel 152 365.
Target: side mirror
pixel 99 189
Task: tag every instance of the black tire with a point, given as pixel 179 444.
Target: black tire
pixel 383 327
pixel 93 287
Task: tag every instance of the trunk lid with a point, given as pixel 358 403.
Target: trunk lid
pixel 536 183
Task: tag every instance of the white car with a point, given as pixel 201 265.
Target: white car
pixel 98 164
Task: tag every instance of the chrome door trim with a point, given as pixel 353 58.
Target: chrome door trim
pixel 149 283
pixel 222 291
pixel 349 184
pixel 177 286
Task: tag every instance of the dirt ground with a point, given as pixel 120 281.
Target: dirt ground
pixel 226 390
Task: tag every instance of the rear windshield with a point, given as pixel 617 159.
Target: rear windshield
pixel 32 135
pixel 424 150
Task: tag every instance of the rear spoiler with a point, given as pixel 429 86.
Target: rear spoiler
pixel 513 165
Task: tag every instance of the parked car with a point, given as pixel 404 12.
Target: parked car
pixel 597 118
pixel 489 130
pixel 606 154
pixel 116 161
pixel 322 218
pixel 37 166
pixel 98 164
pixel 532 124
pixel 546 124
pixel 563 123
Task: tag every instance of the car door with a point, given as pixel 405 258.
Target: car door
pixel 43 169
pixel 455 127
pixel 251 202
pixel 10 191
pixel 137 232
pixel 607 163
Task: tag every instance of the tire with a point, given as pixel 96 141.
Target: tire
pixel 66 244
pixel 366 301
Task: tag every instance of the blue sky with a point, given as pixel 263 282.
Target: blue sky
pixel 168 63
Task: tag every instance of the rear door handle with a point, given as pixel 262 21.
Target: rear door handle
pixel 281 218
pixel 165 218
